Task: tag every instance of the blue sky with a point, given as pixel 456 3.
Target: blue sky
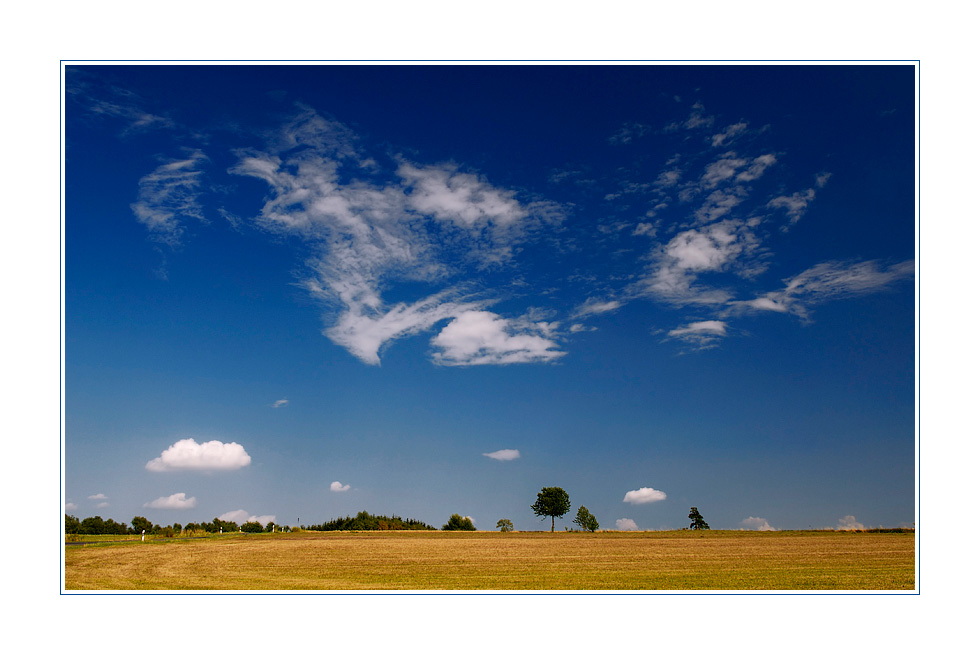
pixel 298 292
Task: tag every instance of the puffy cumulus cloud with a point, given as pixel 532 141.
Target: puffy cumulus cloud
pixel 70 506
pixel 173 501
pixel 463 198
pixel 754 523
pixel 626 524
pixel 338 486
pixel 481 337
pixel 240 516
pixel 188 455
pixel 504 455
pixel 643 495
pixel 98 497
pixel 849 522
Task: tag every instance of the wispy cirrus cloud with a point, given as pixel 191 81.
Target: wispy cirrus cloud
pixel 188 455
pixel 106 101
pixel 169 195
pixel 504 455
pixel 700 335
pixel 368 231
pixel 828 281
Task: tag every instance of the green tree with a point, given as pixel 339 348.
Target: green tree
pixel 251 526
pixel 505 525
pixel 552 501
pixel 71 524
pixel 457 522
pixel 697 521
pixel 141 523
pixel 586 520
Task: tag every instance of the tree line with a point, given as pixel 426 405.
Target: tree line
pixel 551 502
pixel 366 521
pixel 140 524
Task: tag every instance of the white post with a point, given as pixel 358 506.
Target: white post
pixel 143 535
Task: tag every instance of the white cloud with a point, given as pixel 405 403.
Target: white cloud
pixel 173 501
pixel 240 516
pixel 730 133
pixel 698 118
pixel 626 524
pixel 849 523
pixel 98 497
pixel 481 337
pixel 700 334
pixel 754 523
pixel 628 132
pixel 169 194
pixel 579 327
pixel 643 495
pixel 596 306
pixel 504 455
pixel 828 281
pixel 70 507
pixel 425 224
pixel 188 455
pixel 337 486
pixel 280 403
pixel 794 205
pixel 464 198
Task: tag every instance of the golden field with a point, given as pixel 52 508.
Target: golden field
pixel 412 560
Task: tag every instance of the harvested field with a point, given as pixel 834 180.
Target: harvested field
pixel 682 560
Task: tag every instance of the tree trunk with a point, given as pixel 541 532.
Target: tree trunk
pixel 552 523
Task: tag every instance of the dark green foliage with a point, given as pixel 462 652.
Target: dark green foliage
pixel 505 525
pixel 365 521
pixel 71 524
pixel 586 520
pixel 270 527
pixel 552 501
pixel 252 526
pixel 141 523
pixel 217 525
pixel 457 522
pixel 697 521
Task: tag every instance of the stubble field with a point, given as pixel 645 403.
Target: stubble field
pixel 681 560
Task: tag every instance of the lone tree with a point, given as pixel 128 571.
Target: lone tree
pixel 697 521
pixel 505 525
pixel 457 522
pixel 552 501
pixel 586 520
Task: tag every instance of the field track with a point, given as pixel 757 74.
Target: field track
pixel 681 560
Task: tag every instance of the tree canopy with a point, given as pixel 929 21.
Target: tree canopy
pixel 505 525
pixel 552 501
pixel 457 522
pixel 697 521
pixel 586 520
